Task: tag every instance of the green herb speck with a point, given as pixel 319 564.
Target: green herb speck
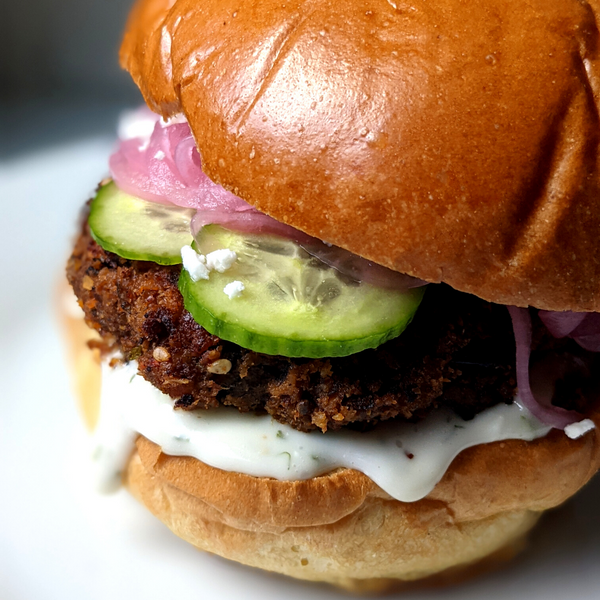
pixel 289 459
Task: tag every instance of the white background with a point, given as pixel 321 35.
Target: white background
pixel 58 539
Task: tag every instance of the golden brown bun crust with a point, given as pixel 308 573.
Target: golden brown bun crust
pixel 342 528
pixel 456 142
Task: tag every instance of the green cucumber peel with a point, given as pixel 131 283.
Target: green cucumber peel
pixel 291 305
pixel 230 330
pixel 138 229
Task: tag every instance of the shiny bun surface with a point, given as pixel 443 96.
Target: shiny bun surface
pixel 456 142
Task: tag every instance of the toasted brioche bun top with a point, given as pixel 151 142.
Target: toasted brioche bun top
pixel 455 142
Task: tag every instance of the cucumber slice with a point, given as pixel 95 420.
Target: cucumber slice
pixel 138 229
pixel 292 303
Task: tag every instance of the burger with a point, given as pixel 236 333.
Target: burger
pixel 344 280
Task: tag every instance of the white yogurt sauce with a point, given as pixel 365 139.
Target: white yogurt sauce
pixel 406 460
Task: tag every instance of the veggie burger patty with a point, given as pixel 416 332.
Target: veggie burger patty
pixel 457 352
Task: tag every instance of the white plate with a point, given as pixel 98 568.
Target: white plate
pixel 58 539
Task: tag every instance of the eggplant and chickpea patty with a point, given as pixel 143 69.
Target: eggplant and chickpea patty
pixel 457 352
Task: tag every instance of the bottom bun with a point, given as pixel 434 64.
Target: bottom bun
pixel 370 549
pixel 343 529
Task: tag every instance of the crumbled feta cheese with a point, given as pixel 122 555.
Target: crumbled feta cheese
pixel 576 430
pixel 159 155
pixel 220 260
pixel 200 266
pixel 234 289
pixel 194 263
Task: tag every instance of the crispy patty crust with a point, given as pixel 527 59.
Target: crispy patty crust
pixel 458 352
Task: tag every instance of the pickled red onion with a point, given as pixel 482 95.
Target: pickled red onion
pixel 540 407
pixel 166 168
pixel 247 221
pixel 584 328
